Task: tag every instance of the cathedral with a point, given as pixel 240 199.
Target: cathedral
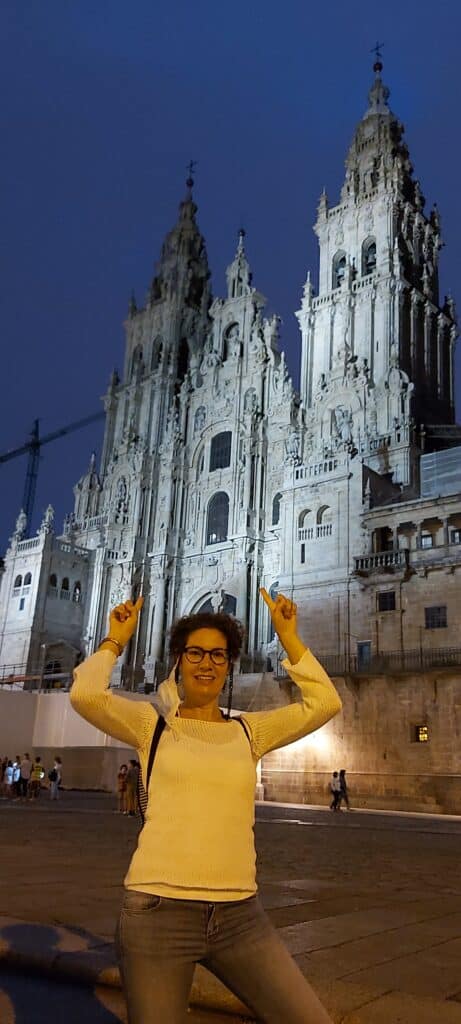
pixel 217 477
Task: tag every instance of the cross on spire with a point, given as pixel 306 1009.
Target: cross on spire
pixel 190 171
pixel 376 49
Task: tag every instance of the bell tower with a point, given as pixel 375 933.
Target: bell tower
pixel 377 322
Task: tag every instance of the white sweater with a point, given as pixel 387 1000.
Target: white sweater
pixel 197 842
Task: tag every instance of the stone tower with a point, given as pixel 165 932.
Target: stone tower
pixel 377 345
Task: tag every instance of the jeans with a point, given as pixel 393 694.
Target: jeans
pixel 54 790
pixel 160 940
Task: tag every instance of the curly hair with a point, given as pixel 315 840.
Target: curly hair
pixel 231 628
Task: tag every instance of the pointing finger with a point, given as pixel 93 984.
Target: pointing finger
pixel 267 598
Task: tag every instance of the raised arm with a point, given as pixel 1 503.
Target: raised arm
pixel 318 701
pixel 127 720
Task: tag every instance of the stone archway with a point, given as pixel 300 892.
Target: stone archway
pixel 222 602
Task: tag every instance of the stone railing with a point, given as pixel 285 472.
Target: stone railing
pixel 316 468
pixel 309 532
pixel 30 545
pixel 382 561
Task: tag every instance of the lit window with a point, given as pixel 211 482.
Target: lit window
pixel 386 601
pixel 220 454
pixel 218 518
pixel 436 617
pixel 421 733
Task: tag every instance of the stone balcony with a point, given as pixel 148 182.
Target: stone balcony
pixel 382 561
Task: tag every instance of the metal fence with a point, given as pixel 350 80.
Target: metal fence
pixel 133 679
pixel 386 663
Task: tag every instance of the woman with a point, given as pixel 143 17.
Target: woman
pixel 191 888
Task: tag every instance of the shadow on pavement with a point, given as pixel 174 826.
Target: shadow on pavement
pixel 40 995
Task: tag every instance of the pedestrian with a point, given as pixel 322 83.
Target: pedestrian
pixel 36 776
pixel 191 893
pixel 8 780
pixel 343 790
pixel 16 777
pixel 54 777
pixel 335 787
pixel 121 789
pixel 131 788
pixel 26 768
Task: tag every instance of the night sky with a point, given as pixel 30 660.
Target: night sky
pixel 104 104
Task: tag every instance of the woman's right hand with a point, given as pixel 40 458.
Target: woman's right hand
pixel 123 620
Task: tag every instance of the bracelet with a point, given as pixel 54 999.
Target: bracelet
pixel 111 640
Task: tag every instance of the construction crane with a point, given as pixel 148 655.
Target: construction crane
pixel 32 447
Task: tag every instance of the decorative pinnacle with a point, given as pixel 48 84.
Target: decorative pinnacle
pixel 242 234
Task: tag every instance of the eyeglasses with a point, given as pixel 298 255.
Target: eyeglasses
pixel 196 654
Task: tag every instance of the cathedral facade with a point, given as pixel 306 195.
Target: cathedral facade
pixel 217 477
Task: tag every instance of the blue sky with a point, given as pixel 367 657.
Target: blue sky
pixel 103 106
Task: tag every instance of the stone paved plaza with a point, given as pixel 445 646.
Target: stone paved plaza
pixel 368 903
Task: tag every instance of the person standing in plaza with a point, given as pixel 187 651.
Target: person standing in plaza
pixel 131 788
pixel 55 777
pixel 26 768
pixel 121 789
pixel 17 777
pixel 191 892
pixel 335 789
pixel 36 776
pixel 343 790
pixel 8 776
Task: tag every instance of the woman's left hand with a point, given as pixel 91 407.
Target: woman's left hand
pixel 283 614
pixel 284 620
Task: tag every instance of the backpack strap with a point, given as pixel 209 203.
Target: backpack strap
pixel 144 790
pixel 244 727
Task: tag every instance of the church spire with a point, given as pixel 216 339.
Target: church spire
pixel 182 271
pixel 238 273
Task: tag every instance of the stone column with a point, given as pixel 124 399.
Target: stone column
pixel 156 640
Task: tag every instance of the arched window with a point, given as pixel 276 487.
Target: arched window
pixel 77 592
pixel 53 581
pixel 27 579
pixel 18 582
pixel 368 257
pixel 157 351
pixel 65 583
pixel 324 525
pixel 276 509
pixel 339 269
pixel 218 518
pixel 220 454
pixel 137 364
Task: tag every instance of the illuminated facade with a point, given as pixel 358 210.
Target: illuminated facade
pixel 216 477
